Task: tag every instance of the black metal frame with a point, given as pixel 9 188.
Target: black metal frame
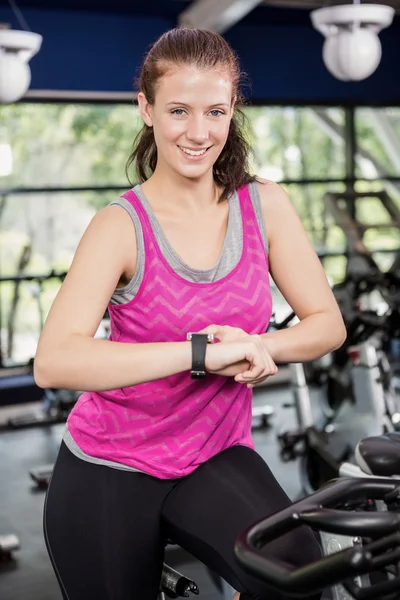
pixel 350 152
pixel 338 567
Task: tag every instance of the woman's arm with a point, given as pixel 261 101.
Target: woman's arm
pixel 300 277
pixel 68 356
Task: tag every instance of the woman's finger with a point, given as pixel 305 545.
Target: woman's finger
pixel 262 367
pixel 218 331
pixel 225 333
pixel 255 371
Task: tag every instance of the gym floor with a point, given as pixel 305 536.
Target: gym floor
pixel 30 576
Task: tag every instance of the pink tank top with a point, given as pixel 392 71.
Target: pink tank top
pixel 168 427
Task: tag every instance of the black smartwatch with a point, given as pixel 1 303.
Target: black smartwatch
pixel 199 345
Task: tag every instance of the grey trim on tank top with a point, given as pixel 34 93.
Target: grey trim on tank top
pixel 74 448
pixel 229 257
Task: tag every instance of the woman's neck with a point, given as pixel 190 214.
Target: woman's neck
pixel 174 191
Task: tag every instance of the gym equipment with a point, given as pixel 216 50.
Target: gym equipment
pixel 357 543
pixel 261 416
pixel 363 274
pixel 344 207
pixel 36 284
pixel 8 544
pixel 41 475
pixel 56 403
pixel 176 585
pixel 367 344
pixel 380 325
pixel 56 406
pixel 376 455
pixel 360 402
pixel 322 449
pixel 356 538
pixel 358 520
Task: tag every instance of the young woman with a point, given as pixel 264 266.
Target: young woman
pixel 159 444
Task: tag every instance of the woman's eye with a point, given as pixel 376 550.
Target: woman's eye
pixel 180 112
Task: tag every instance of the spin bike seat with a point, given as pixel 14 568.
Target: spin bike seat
pixel 379 455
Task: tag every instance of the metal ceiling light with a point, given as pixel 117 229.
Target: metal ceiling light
pixel 352 49
pixel 16 49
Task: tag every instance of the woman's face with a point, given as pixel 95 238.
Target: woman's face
pixel 190 118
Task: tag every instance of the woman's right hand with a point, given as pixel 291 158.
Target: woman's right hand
pixel 247 360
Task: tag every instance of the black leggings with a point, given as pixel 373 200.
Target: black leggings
pixel 105 528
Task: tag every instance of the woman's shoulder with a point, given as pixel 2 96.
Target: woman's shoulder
pixel 269 191
pixel 275 203
pixel 113 221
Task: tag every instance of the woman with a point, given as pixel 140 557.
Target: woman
pixel 159 444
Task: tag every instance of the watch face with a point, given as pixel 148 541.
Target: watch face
pixel 210 336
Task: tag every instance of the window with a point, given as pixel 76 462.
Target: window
pixel 45 149
pixel 297 143
pixel 60 163
pixel 378 142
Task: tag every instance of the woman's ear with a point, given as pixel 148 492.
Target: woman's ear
pixel 145 109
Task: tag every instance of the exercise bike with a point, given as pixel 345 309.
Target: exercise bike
pixel 360 546
pixel 358 524
pixel 366 406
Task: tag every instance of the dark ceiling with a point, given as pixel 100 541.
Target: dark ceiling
pixel 168 7
pixel 157 8
pixel 269 11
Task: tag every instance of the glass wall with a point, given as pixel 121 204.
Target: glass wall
pixel 60 163
pixel 378 141
pixel 292 143
pixel 377 165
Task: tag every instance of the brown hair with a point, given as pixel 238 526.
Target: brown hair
pixel 205 50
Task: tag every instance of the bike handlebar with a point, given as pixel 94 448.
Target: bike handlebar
pixel 335 568
pixel 366 524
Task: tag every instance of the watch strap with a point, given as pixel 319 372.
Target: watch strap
pixel 199 346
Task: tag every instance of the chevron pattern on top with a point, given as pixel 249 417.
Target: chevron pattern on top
pixel 168 427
